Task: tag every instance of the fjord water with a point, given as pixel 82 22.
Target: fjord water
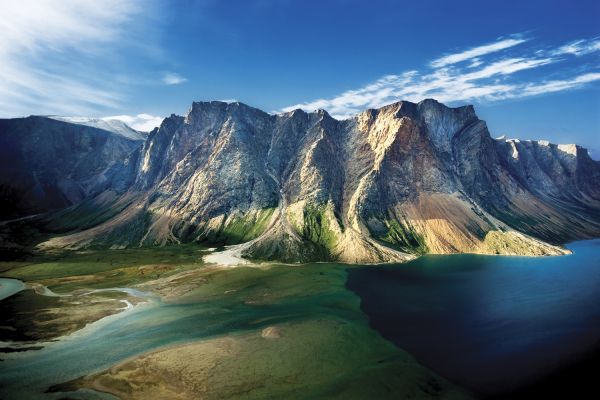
pixel 489 323
pixel 484 322
pixel 234 301
pixel 8 287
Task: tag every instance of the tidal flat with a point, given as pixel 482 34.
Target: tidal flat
pixel 64 291
pixel 196 330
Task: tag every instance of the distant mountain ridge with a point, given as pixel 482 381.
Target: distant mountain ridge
pixel 47 164
pixel 386 185
pixel 108 124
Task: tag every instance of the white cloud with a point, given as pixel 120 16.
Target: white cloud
pixel 140 122
pixel 489 78
pixel 33 25
pixel 477 52
pixel 476 62
pixel 579 47
pixel 47 54
pixel 380 92
pixel 506 67
pixel 171 78
pixel 560 85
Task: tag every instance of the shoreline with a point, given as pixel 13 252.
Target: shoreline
pixel 89 327
pixel 229 365
pixel 226 258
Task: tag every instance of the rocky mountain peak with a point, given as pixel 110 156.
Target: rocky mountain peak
pixel 403 179
pixel 444 122
pixel 441 123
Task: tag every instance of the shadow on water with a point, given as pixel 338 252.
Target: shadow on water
pixel 503 327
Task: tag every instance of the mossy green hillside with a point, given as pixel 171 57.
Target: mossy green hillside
pixel 320 226
pixel 403 236
pixel 240 228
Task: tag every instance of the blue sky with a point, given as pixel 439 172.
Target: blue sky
pixel 531 68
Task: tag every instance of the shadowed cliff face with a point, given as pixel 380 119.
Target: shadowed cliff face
pixel 385 185
pixel 47 164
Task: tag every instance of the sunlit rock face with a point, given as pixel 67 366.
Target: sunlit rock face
pixel 47 164
pixel 386 185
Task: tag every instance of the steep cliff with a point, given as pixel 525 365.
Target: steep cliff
pixel 386 185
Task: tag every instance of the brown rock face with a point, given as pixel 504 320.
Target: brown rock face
pixel 385 185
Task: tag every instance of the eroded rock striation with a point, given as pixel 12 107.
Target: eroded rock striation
pixel 386 185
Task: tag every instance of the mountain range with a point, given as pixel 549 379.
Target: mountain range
pixel 48 164
pixel 108 124
pixel 384 186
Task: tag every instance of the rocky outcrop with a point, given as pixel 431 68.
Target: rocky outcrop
pixel 386 185
pixel 47 164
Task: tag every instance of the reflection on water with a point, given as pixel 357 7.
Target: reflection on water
pixel 489 323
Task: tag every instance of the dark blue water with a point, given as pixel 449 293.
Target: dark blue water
pixel 489 323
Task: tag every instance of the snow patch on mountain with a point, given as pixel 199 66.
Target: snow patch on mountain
pixel 108 124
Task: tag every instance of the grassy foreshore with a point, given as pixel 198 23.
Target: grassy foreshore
pixel 32 315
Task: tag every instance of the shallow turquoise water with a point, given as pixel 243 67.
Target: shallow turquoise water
pixel 488 323
pixel 146 327
pixel 8 287
pixel 453 310
pixel 114 339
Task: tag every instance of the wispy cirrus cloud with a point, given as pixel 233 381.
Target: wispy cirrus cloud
pixel 38 41
pixel 579 47
pixel 171 78
pixel 485 73
pixel 477 51
pixel 560 84
pixel 56 56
